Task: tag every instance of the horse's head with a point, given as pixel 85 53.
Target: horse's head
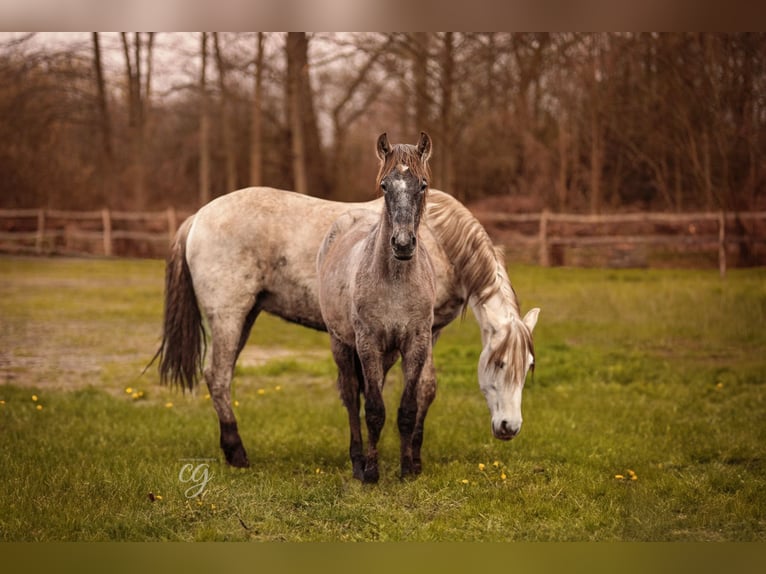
pixel 403 178
pixel 508 355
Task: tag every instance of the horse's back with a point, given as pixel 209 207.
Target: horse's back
pixel 260 243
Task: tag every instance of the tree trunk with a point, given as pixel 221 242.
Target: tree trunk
pixel 447 170
pixel 562 190
pixel 204 128
pixel 256 129
pixel 420 71
pixel 135 117
pixel 596 162
pixel 227 134
pixel 295 51
pixel 107 156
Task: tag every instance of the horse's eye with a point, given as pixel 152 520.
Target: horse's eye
pixel 501 365
pixel 423 185
pixel 383 186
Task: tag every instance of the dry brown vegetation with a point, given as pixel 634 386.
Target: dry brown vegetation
pixel 567 121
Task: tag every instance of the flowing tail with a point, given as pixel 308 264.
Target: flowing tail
pixel 183 346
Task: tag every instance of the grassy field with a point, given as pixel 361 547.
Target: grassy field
pixel 644 420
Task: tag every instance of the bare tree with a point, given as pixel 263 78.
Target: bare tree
pixel 307 152
pixel 230 154
pixel 137 103
pixel 204 125
pixel 447 171
pixel 256 125
pixel 107 157
pixel 294 50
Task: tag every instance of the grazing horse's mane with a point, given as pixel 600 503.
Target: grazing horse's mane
pixel 477 261
pixel 481 266
pixel 408 156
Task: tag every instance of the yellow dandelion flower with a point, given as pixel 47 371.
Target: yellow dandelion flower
pixel 2 403
pixel 278 388
pixel 719 386
pixel 236 403
pixel 503 476
pixel 158 497
pixel 135 396
pixel 496 464
pixel 207 397
pixel 39 407
pixel 464 481
pixel 261 391
pixel 481 466
pixel 168 405
pixel 634 477
pixel 34 398
pixel 129 390
pixel 212 507
pixel 619 477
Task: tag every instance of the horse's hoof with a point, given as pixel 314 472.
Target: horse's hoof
pixel 371 475
pixel 237 457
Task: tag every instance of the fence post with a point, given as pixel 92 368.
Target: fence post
pixel 172 223
pixel 722 243
pixel 107 223
pixel 543 240
pixel 40 238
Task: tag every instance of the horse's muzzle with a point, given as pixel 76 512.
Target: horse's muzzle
pixel 403 245
pixel 506 430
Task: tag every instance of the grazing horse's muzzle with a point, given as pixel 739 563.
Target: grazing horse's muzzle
pixel 505 429
pixel 403 245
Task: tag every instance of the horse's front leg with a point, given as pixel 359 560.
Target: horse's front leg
pixel 374 407
pixel 410 419
pixel 348 386
pixel 426 395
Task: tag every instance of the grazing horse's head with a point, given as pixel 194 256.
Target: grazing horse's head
pixel 403 178
pixel 507 357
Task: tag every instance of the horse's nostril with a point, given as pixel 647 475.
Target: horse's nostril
pixel 414 241
pixel 508 429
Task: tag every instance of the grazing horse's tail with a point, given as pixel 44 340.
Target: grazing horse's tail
pixel 182 350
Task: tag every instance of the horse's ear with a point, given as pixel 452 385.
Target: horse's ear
pixel 383 148
pixel 424 146
pixel 530 319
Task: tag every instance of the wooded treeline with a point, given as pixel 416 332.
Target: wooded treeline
pixel 567 121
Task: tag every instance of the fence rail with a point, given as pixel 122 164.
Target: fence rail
pixel 108 232
pixel 678 229
pixel 55 231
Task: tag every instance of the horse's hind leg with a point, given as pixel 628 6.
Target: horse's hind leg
pixel 227 340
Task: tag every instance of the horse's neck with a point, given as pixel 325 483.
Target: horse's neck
pixel 494 311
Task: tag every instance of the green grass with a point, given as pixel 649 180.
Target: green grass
pixel 657 372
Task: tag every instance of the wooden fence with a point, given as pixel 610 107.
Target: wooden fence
pixel 103 232
pixel 718 231
pixel 148 234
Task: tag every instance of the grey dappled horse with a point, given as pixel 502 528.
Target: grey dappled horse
pixel 377 294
